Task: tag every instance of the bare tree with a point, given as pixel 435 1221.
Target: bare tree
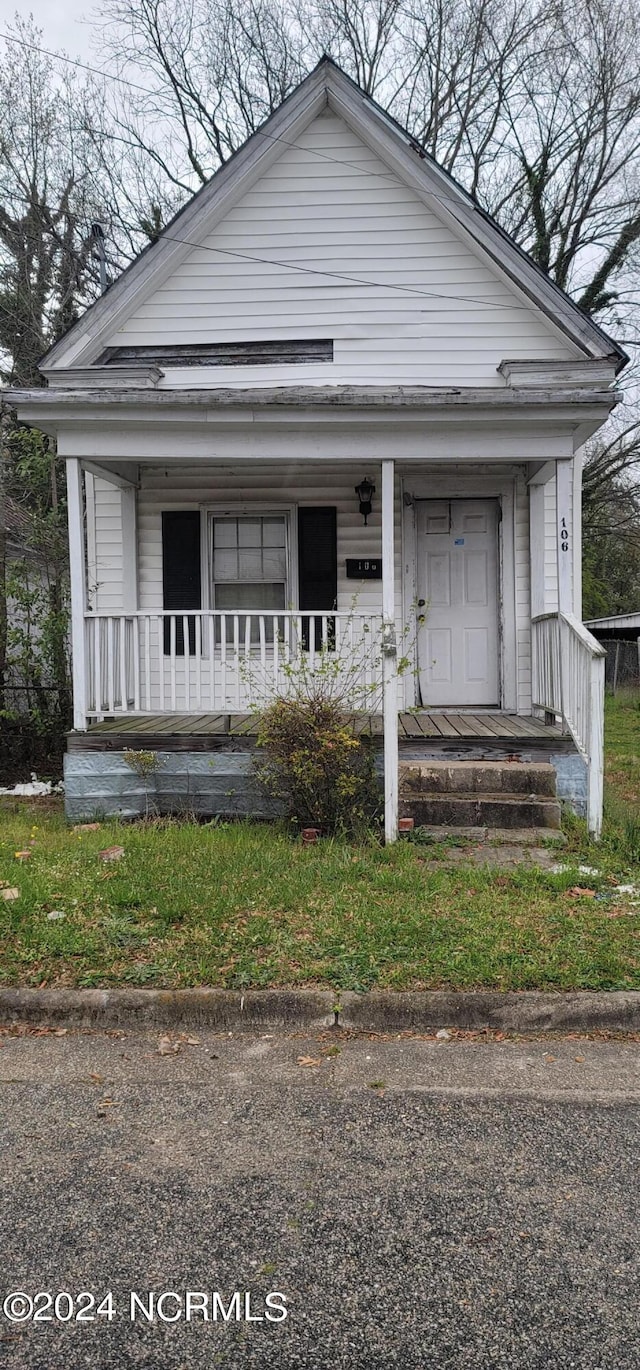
pixel 534 108
pixel 47 201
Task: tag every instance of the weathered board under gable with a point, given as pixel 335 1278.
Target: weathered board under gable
pixel 330 243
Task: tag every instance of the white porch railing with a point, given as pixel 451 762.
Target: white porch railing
pixel 214 662
pixel 568 681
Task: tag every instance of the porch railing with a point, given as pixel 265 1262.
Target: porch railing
pixel 568 682
pixel 215 662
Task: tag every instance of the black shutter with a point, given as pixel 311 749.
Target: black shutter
pixel 181 574
pixel 317 566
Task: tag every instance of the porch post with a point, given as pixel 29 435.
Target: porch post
pixel 536 549
pixel 78 576
pixel 389 657
pixel 128 499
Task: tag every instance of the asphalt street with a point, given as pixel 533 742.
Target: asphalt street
pixel 409 1203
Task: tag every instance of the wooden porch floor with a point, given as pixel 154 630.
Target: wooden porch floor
pixel 171 732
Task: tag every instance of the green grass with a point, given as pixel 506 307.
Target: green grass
pixel 242 905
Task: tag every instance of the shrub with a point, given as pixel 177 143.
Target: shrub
pixel 316 767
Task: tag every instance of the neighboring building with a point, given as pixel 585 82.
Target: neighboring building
pixel 620 637
pixel 331 307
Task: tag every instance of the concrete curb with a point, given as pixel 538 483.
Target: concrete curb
pixel 231 1010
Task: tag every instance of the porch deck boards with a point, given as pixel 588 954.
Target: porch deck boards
pixel 202 731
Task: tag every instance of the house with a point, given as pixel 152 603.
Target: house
pixel 331 326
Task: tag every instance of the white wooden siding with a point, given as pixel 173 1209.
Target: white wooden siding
pixel 106 594
pixel 437 313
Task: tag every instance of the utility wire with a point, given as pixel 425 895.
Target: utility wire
pixel 337 161
pixel 336 275
pixel 74 62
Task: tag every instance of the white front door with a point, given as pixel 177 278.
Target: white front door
pixel 458 639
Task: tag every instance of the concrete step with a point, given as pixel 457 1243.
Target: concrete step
pixel 497 837
pixel 476 777
pixel 480 810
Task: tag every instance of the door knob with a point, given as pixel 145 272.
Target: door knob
pixel 421 603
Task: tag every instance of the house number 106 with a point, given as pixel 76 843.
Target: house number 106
pixel 564 536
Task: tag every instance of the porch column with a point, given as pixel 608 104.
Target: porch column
pixel 128 500
pixel 389 657
pixel 78 577
pixel 536 549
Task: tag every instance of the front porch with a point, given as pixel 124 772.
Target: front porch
pixel 450 732
pixel 476 770
pixel 213 584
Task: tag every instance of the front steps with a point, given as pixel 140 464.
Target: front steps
pixel 479 794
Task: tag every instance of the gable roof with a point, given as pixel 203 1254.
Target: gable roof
pixel 326 85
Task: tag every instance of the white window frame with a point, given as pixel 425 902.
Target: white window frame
pixel 288 511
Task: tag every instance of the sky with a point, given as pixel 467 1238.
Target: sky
pixel 60 21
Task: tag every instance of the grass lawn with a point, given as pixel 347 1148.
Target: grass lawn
pixel 241 905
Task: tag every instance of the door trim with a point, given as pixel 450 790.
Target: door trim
pixel 495 486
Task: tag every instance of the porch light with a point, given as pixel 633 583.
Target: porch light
pixel 365 491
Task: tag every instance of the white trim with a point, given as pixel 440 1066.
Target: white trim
pixel 577 534
pixel 442 486
pixel 389 654
pixel 125 479
pixel 543 474
pixel 75 512
pixel 129 529
pixel 536 549
pixel 92 547
pixel 564 535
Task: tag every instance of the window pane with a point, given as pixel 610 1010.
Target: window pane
pixel 273 532
pixel 250 564
pixel 274 563
pixel 244 597
pixel 249 532
pixel 225 565
pixel 225 533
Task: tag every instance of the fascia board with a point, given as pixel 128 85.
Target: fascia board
pixel 454 208
pixel 199 217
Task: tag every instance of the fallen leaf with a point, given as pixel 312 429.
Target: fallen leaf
pixel 10 893
pixel 23 855
pixel 95 1078
pixel 111 854
pixel 167 1048
pixel 86 827
pixel 60 1032
pixel 579 1059
pixel 309 1060
pixel 577 892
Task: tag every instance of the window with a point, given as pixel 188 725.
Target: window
pixel 249 563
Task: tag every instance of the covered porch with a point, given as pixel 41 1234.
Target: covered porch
pixel 166 679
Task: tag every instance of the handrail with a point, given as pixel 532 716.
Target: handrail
pixel 568 681
pixel 578 628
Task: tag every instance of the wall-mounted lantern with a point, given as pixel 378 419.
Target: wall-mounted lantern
pixel 365 492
